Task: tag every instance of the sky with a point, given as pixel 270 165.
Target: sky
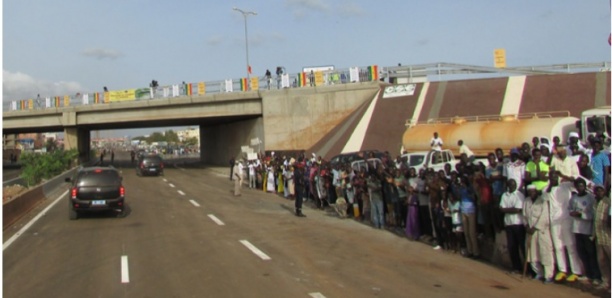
pixel 56 48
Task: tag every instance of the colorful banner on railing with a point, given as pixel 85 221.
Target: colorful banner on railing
pixel 189 89
pixel 255 83
pixel 373 70
pixel 301 79
pixel 201 88
pixel 243 84
pixel 122 95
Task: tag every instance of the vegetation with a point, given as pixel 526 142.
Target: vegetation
pixel 169 136
pixel 37 167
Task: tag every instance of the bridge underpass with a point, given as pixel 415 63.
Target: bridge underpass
pixel 290 119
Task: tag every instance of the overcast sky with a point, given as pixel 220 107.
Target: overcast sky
pixel 56 48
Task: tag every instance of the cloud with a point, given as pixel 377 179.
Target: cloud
pixel 301 8
pixel 100 54
pixel 18 86
pixel 214 41
pixel 350 9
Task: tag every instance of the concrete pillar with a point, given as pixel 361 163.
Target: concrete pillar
pixel 78 138
pixel 219 143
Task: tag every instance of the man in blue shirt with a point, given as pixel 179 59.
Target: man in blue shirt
pixel 600 164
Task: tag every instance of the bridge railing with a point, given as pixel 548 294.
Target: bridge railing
pixel 281 81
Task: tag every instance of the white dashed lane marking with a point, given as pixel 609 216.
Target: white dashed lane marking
pixel 316 295
pixel 194 203
pixel 255 250
pixel 216 220
pixel 171 185
pixel 125 272
pixel 182 193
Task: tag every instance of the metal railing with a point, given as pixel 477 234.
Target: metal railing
pixel 259 83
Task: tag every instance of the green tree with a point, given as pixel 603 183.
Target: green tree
pixel 171 136
pixel 193 141
pixel 51 145
pixel 36 167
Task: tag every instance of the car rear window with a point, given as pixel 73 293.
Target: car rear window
pixel 98 177
pixel 154 158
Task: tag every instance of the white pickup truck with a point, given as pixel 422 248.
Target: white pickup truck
pixel 430 159
pixel 434 159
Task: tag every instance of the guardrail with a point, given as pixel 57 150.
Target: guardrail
pixel 276 82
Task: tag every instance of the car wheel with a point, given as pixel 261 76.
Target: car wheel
pixel 72 214
pixel 121 213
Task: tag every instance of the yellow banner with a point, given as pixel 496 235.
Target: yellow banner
pixel 319 78
pixel 31 104
pixel 255 83
pixel 499 56
pixel 122 95
pixel 66 100
pixel 201 88
pixel 106 97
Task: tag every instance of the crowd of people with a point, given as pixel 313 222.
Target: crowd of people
pixel 552 201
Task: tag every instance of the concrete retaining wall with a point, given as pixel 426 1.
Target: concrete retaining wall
pixel 18 207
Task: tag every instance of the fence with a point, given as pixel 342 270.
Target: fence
pixel 282 81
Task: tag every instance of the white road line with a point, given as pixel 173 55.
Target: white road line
pixel 125 272
pixel 215 219
pixel 6 244
pixel 316 295
pixel 194 203
pixel 182 193
pixel 165 180
pixel 171 185
pixel 255 250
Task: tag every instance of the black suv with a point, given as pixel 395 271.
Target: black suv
pixel 150 165
pixel 96 189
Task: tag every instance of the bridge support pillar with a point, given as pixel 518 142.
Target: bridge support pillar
pixel 219 143
pixel 80 139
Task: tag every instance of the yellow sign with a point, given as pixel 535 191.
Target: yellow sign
pixel 319 78
pixel 255 83
pixel 66 100
pixel 122 95
pixel 499 56
pixel 201 88
pixel 31 104
pixel 106 97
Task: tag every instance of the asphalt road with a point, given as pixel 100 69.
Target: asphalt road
pixel 186 236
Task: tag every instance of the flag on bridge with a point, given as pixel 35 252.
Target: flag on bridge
pixel 243 84
pixel 301 79
pixel 57 101
pixel 189 89
pixel 373 70
pixel 96 97
pixel 66 100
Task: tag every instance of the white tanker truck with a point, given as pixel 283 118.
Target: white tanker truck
pixel 483 134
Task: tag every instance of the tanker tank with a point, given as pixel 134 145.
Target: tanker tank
pixel 483 134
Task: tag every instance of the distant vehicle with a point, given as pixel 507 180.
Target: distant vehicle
pixel 349 158
pixel 368 164
pixel 95 189
pixel 430 159
pixel 151 164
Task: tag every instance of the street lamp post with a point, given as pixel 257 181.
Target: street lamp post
pixel 245 14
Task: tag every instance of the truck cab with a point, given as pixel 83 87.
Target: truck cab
pixel 595 122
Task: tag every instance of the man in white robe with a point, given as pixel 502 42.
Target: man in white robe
pixel 539 242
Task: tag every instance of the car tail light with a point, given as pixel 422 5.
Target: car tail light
pixel 74 192
pixel 161 165
pixel 122 191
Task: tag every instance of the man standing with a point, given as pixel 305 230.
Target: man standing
pixel 232 164
pixel 494 176
pixel 436 142
pixel 300 189
pixel 539 242
pixel 376 200
pixel 582 209
pixel 600 164
pixel 252 175
pixel 566 168
pixel 512 206
pixel 237 170
pixel 561 228
pixel 602 232
pixel 536 171
pixel 515 168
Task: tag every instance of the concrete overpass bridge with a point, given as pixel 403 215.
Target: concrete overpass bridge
pixel 287 119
